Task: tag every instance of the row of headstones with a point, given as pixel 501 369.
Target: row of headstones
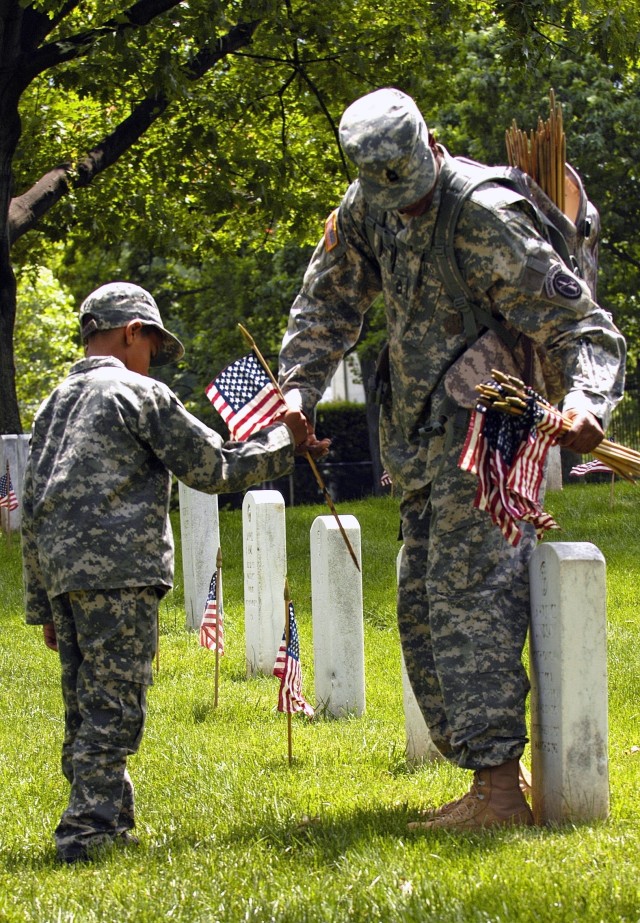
pixel 567 647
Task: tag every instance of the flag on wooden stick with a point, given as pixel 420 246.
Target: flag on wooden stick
pixel 593 467
pixel 212 625
pixel 287 668
pixel 245 397
pixel 8 498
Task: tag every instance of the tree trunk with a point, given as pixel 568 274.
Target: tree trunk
pixel 9 414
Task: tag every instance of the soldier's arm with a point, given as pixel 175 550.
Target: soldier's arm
pixel 325 321
pixel 522 278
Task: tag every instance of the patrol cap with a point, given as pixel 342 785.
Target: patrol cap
pixel 387 138
pixel 115 304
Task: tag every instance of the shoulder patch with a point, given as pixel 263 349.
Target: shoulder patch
pixel 560 282
pixel 331 231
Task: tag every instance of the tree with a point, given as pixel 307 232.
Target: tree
pixel 181 132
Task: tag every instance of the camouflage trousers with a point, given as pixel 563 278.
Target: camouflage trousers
pixel 463 615
pixel 106 642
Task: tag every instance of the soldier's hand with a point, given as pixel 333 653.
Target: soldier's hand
pixel 585 434
pixel 49 634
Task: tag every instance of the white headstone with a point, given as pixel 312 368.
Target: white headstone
pixel 14 450
pixel 554 469
pixel 338 629
pixel 200 535
pixel 265 570
pixel 568 657
pixel 420 747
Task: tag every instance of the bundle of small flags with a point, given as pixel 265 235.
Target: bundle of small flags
pixel 245 397
pixel 509 457
pixel 507 452
pixel 212 627
pixel 287 668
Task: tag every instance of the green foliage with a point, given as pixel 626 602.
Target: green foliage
pixel 47 338
pixel 217 205
pixel 231 833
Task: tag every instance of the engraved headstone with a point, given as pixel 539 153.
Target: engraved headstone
pixel 265 569
pixel 200 536
pixel 568 657
pixel 337 613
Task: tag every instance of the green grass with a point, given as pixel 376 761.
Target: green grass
pixel 231 832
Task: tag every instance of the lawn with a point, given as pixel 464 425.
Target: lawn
pixel 231 832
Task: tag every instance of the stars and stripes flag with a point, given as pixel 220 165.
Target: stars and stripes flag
pixel 8 498
pixel 592 467
pixel 287 668
pixel 212 627
pixel 245 397
pixel 507 453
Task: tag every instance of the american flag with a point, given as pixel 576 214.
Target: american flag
pixel 287 668
pixel 385 479
pixel 507 453
pixel 8 498
pixel 212 631
pixel 592 467
pixel 245 397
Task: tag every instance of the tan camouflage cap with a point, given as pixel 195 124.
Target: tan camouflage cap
pixel 117 303
pixel 387 138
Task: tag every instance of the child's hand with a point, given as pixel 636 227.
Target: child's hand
pixel 316 448
pixel 49 632
pixel 297 423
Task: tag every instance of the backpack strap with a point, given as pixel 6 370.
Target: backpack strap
pixel 474 316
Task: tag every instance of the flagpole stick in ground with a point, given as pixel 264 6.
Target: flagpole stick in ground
pixel 287 632
pixel 219 616
pixel 316 473
pixel 8 505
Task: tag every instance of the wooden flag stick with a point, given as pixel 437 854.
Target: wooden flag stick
pixel 218 618
pixel 307 455
pixel 287 633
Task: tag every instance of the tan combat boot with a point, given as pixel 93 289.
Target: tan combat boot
pixel 495 799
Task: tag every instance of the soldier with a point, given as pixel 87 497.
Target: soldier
pixel 97 542
pixel 463 599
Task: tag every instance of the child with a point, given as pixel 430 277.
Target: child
pixel 97 542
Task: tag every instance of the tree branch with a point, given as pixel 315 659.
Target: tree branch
pixel 75 46
pixel 26 210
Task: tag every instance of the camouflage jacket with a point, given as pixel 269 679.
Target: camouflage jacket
pixel 97 482
pixel 513 271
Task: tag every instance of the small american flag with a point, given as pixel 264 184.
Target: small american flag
pixel 245 397
pixel 385 479
pixel 8 498
pixel 211 631
pixel 507 453
pixel 287 668
pixel 592 467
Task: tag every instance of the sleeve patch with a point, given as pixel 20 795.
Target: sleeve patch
pixel 559 282
pixel 331 232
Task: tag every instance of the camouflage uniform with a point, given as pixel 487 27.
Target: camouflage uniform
pixel 463 591
pixel 98 555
